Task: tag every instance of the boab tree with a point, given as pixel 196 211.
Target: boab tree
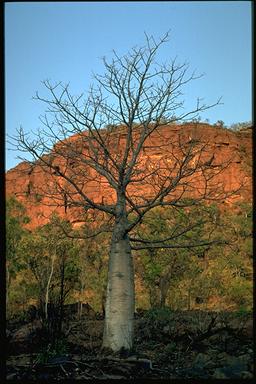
pixel 112 130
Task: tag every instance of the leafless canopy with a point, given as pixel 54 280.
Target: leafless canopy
pixel 113 127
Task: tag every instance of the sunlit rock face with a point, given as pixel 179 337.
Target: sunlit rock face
pixel 43 191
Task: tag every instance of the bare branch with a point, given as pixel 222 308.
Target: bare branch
pixel 178 246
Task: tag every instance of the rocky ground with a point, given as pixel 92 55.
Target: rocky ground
pixel 168 345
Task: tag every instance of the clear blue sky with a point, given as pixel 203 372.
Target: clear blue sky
pixel 65 41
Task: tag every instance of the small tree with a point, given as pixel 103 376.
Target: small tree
pixel 93 266
pixel 134 89
pixel 220 123
pixel 235 265
pixel 52 258
pixel 240 126
pixel 15 218
pixel 162 268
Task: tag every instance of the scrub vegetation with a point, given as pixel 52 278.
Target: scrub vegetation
pixel 193 313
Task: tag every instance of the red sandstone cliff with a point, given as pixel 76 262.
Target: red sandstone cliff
pixel 29 182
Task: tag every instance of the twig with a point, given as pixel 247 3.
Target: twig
pixel 66 373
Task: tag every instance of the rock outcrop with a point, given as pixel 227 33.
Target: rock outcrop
pixel 28 182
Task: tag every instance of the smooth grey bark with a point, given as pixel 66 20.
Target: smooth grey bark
pixel 120 301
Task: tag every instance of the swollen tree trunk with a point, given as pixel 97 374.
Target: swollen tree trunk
pixel 119 308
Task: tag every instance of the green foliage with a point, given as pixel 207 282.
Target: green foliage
pixel 239 292
pixel 170 348
pixel 243 312
pixel 162 269
pixel 30 256
pixel 93 269
pixel 231 270
pixel 217 277
pixel 15 219
pixel 52 350
pixel 38 197
pixel 213 277
pixel 39 249
pixel 163 315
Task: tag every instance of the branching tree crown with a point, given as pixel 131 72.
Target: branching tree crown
pixel 101 142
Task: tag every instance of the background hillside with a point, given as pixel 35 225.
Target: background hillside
pixel 28 181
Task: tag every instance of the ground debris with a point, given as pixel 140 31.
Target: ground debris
pixel 204 346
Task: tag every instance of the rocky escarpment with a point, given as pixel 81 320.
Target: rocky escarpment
pixel 28 182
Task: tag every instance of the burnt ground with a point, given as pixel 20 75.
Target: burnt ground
pixel 168 345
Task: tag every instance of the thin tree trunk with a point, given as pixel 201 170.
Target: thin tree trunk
pixel 163 294
pixel 48 287
pixel 153 297
pixel 189 298
pixel 8 283
pixel 61 307
pixel 164 288
pixel 80 310
pixel 120 303
pixel 82 287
